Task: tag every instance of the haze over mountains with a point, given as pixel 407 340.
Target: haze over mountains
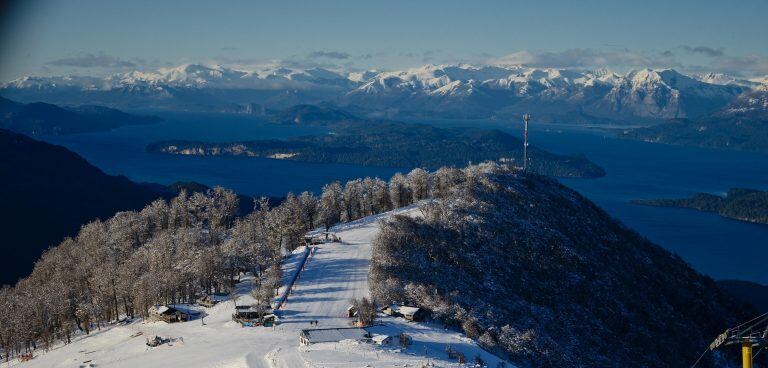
pixel 449 91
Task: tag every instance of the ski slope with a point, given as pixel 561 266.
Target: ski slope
pixel 335 274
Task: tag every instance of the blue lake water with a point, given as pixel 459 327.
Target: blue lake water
pixel 717 246
pixel 122 152
pixel 720 247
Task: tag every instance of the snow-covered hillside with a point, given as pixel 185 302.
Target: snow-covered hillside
pixel 335 274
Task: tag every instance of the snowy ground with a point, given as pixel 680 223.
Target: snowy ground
pixel 335 274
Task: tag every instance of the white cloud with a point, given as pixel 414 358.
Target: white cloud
pixel 749 65
pixel 88 60
pixel 587 58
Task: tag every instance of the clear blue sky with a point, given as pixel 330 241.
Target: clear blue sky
pixel 100 36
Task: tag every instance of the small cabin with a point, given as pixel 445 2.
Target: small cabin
pixel 414 314
pixel 251 315
pixel 389 310
pixel 169 314
pixel 246 312
pixel 212 299
pixel 271 320
pixel 383 340
pixel 351 311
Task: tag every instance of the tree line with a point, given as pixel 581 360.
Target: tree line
pixel 176 251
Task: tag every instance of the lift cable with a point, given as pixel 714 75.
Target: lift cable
pixel 752 320
pixel 758 352
pixel 700 357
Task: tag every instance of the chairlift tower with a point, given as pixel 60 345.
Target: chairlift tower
pixel 526 117
pixel 750 334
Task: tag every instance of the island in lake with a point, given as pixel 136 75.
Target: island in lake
pixel 358 141
pixel 741 204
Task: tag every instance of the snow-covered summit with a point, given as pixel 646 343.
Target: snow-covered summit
pixel 448 89
pixel 197 76
pixel 726 80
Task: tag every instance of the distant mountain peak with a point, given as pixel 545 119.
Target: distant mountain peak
pixel 448 90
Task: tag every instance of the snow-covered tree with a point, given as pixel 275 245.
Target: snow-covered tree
pixel 418 183
pixel 309 209
pixel 353 192
pixel 331 204
pixel 399 192
pixel 380 196
pixel 444 179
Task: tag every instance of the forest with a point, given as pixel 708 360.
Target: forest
pixel 178 250
pixel 746 132
pixel 738 203
pixel 527 267
pixel 537 273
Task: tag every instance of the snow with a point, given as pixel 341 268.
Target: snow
pixel 336 273
pixel 644 92
pixel 725 80
pixel 405 310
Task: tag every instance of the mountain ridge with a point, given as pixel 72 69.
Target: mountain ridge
pixel 44 118
pixel 461 90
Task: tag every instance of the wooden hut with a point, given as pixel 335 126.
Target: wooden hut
pixel 169 314
pixel 351 311
pixel 383 340
pixel 410 313
pixel 212 299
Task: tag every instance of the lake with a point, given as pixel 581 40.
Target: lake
pixel 122 152
pixel 717 246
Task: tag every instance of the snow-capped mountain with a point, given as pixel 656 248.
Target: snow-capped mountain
pixel 665 94
pixel 432 90
pixel 187 87
pixel 194 76
pixel 654 94
pixel 754 102
pixel 725 79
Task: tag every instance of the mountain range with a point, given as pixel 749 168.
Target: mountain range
pixel 742 125
pixel 445 91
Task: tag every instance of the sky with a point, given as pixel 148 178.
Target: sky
pixel 99 37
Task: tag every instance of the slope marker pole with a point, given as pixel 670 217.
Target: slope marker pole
pixel 526 117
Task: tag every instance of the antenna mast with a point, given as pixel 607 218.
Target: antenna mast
pixel 526 117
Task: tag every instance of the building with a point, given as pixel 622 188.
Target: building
pixel 314 336
pixel 410 313
pixel 251 315
pixel 246 312
pixel 212 299
pixel 271 320
pixel 351 311
pixel 383 340
pixel 169 314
